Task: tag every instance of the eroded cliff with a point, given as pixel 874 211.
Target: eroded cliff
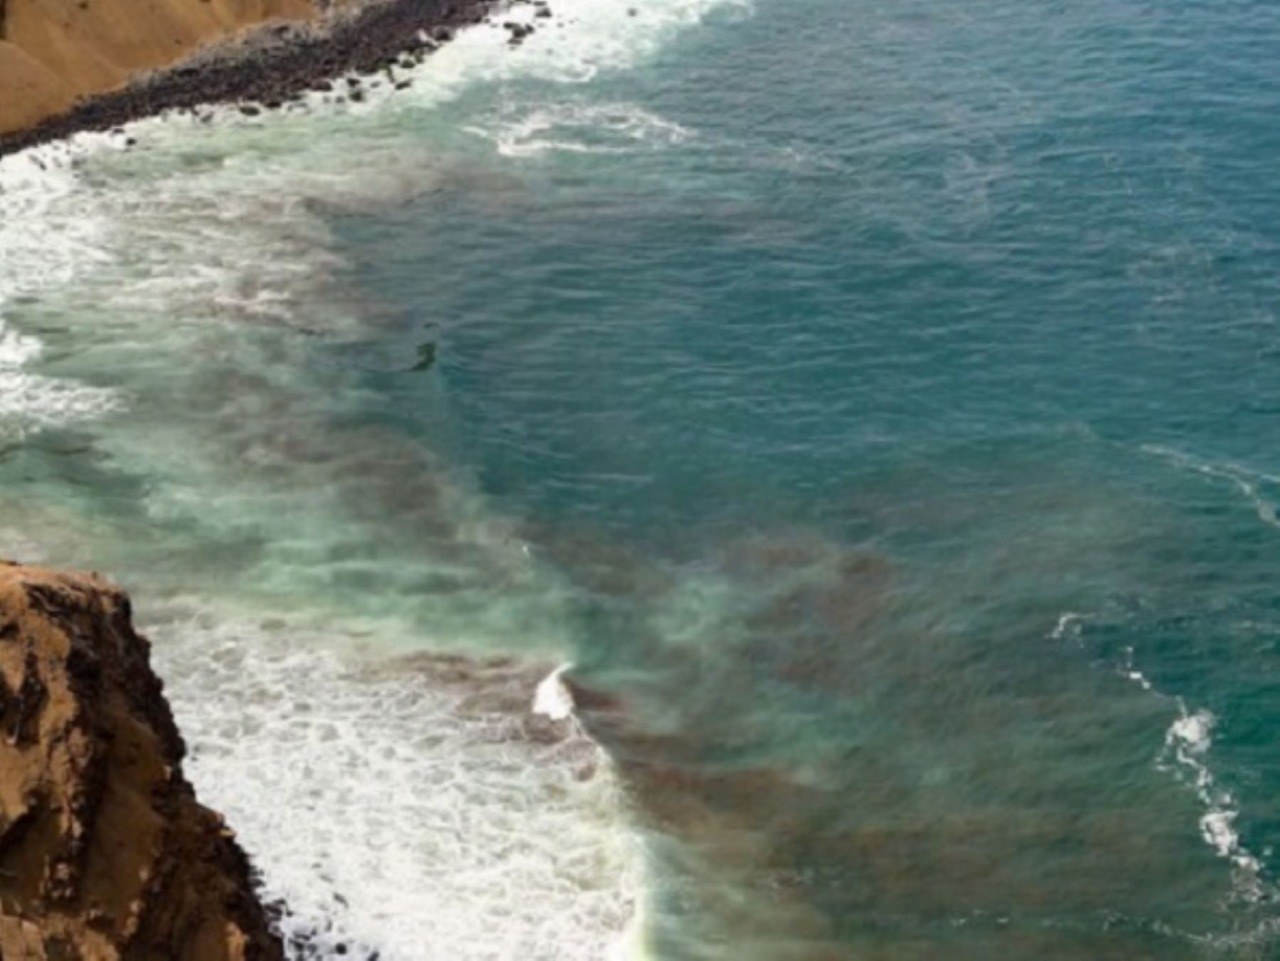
pixel 54 52
pixel 104 851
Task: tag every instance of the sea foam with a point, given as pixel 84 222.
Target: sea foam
pixel 41 246
pixel 415 808
pixel 583 128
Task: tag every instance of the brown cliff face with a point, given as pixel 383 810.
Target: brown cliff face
pixel 104 851
pixel 54 52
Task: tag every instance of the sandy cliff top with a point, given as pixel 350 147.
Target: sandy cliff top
pixel 53 52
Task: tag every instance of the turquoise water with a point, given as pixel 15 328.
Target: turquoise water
pixel 874 404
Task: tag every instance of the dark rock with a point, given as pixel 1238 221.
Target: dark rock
pixel 380 36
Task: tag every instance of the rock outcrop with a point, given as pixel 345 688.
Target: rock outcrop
pixel 55 52
pixel 104 851
pixel 258 53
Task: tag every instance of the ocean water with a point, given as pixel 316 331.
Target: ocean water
pixel 867 412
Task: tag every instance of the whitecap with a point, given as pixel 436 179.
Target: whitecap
pixel 29 402
pixel 1068 624
pixel 1186 753
pixel 42 246
pixel 553 699
pixel 1187 745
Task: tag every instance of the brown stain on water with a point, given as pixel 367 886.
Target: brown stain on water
pixel 987 813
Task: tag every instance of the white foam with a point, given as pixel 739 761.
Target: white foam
pixel 1247 482
pixel 1130 672
pixel 416 810
pixel 583 128
pixel 29 402
pixel 15 350
pixel 553 699
pixel 43 241
pixel 1187 745
pixel 1190 736
pixel 41 247
pixel 1138 678
pixel 581 39
pixel 1068 625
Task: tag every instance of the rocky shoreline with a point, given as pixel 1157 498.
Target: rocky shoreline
pixel 275 63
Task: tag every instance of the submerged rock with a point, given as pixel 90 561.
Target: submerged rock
pixel 105 852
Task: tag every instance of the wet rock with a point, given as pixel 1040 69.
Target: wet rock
pixel 518 31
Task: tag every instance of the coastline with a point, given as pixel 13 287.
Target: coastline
pixel 353 820
pixel 271 64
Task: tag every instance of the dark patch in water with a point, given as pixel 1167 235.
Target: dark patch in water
pixel 822 764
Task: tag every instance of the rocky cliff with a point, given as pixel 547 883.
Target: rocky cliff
pixel 68 66
pixel 104 851
pixel 54 52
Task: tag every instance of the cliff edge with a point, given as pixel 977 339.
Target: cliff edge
pixel 54 53
pixel 104 851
